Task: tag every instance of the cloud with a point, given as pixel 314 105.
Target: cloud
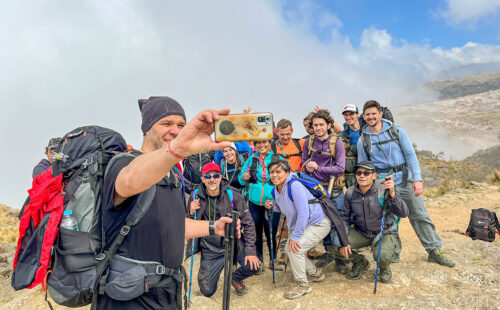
pixel 467 11
pixel 67 64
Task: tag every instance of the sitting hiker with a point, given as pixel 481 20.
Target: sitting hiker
pixel 211 200
pixel 230 166
pixel 306 222
pixel 45 164
pixel 362 209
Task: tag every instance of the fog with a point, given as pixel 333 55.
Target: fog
pixel 71 63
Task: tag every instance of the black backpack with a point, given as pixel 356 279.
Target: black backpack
pixel 482 225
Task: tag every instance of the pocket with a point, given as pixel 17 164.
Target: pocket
pixel 74 250
pixel 128 285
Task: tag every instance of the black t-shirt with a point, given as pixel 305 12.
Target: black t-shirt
pixel 158 237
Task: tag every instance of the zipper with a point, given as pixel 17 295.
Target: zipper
pixel 364 215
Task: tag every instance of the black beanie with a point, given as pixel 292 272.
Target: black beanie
pixel 156 108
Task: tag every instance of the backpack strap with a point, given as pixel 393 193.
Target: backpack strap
pixel 367 144
pixel 347 135
pixel 230 194
pixel 497 224
pixel 349 193
pixel 273 146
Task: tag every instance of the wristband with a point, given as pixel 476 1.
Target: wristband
pixel 169 150
pixel 211 228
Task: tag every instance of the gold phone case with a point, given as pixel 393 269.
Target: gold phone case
pixel 244 127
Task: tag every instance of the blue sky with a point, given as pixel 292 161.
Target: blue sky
pixel 444 24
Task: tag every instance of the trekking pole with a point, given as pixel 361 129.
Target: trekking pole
pixel 380 241
pixel 269 213
pixel 229 239
pixel 281 232
pixel 191 270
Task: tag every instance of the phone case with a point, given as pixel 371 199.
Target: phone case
pixel 244 127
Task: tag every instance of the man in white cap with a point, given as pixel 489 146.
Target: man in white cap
pixel 352 133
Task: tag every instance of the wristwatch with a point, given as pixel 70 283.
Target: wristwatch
pixel 211 228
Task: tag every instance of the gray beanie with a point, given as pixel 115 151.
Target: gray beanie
pixel 156 108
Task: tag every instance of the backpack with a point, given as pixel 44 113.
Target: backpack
pixel 78 168
pixel 351 158
pixel 322 197
pixel 255 164
pixel 482 225
pixel 340 181
pixel 277 142
pixel 393 132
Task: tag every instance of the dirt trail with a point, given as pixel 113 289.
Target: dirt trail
pixel 417 284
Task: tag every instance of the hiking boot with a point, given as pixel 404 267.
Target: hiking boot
pixel 277 265
pixel 298 290
pixel 385 275
pixel 318 276
pixel 437 256
pixel 240 288
pixel 314 254
pixel 359 266
pixel 282 259
pixel 340 266
pixel 324 260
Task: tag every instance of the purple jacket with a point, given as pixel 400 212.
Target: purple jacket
pixel 299 213
pixel 326 164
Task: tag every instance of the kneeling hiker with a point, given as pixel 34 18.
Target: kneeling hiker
pixel 362 209
pixel 211 200
pixel 306 222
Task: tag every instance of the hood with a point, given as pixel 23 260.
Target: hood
pixel 386 125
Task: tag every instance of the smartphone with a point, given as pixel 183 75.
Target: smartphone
pixel 244 127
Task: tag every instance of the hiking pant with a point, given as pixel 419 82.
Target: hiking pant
pixel 419 218
pixel 358 240
pixel 210 270
pixel 262 225
pixel 300 264
pixel 339 205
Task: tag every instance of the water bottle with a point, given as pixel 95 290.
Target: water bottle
pixel 68 221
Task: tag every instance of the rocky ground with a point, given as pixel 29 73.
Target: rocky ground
pixel 417 284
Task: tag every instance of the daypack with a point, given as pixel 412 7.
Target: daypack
pixel 38 228
pixel 322 197
pixel 351 158
pixel 276 143
pixel 482 225
pixel 340 181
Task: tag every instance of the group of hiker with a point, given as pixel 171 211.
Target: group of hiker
pixel 366 169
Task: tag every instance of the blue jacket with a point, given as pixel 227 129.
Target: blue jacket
pixel 241 147
pixel 261 191
pixel 392 154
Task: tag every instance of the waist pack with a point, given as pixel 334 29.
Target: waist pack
pixel 482 225
pixel 321 195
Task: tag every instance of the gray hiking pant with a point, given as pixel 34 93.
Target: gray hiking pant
pixel 419 218
pixel 301 265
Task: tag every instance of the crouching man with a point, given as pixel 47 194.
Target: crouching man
pixel 211 200
pixel 362 209
pixel 306 222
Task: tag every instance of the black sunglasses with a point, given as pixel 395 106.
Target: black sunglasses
pixel 365 173
pixel 213 175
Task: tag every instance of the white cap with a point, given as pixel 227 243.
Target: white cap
pixel 351 108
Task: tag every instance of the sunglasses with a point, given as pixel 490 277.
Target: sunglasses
pixel 365 173
pixel 213 175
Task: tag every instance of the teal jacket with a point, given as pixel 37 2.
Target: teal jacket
pixel 262 190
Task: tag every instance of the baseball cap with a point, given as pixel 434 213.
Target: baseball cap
pixel 351 108
pixel 365 164
pixel 210 167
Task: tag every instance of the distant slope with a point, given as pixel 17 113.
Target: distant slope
pixel 474 84
pixel 458 127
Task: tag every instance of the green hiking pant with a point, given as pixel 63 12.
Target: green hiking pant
pixel 419 218
pixel 358 240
